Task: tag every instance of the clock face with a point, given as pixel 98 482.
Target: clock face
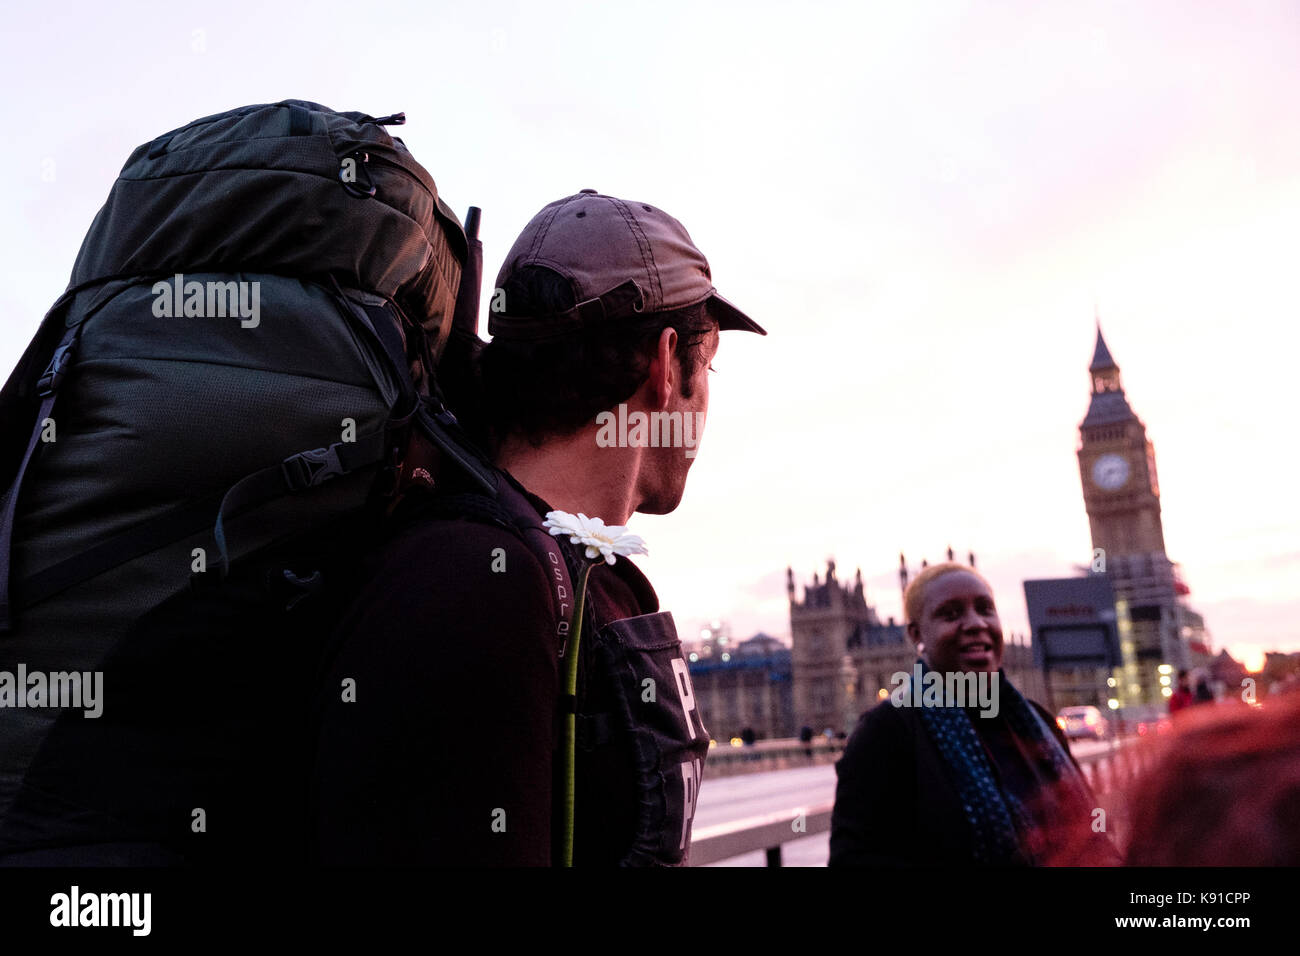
pixel 1110 472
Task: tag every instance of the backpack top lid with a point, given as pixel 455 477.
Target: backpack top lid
pixel 290 188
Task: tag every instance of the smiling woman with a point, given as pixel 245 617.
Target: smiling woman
pixel 946 783
pixel 952 619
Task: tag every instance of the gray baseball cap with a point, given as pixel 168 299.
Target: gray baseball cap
pixel 622 258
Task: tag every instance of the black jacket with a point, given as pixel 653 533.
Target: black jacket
pixel 895 800
pixel 445 756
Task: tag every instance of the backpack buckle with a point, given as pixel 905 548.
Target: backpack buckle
pixel 298 588
pixel 309 468
pixel 49 381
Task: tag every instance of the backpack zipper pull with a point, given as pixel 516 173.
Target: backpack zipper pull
pixel 360 184
pixel 394 119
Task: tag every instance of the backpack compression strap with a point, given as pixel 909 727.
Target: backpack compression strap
pixel 47 390
pixel 431 415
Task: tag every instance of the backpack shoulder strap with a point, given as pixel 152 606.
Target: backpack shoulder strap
pixel 510 509
pixel 548 551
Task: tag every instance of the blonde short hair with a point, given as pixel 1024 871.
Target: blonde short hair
pixel 914 596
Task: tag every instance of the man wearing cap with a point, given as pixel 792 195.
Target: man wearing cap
pixel 448 752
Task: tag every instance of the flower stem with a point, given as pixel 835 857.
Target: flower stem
pixel 569 750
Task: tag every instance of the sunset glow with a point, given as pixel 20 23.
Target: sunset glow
pixel 926 206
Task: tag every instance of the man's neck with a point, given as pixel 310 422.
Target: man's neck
pixel 572 474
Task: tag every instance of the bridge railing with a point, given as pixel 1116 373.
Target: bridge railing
pixel 1107 771
pixel 727 761
pixel 1113 769
pixel 767 832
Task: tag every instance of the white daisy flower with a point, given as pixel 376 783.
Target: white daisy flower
pixel 600 540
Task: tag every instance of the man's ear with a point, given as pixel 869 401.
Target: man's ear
pixel 664 371
pixel 914 633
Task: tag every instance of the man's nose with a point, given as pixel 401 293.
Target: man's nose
pixel 973 620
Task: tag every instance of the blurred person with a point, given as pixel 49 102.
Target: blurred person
pixel 1182 695
pixel 1203 694
pixel 1222 790
pixel 805 738
pixel 920 785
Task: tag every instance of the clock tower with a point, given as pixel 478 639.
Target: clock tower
pixel 1117 463
pixel 1158 632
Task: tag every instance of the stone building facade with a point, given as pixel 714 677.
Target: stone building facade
pixel 745 686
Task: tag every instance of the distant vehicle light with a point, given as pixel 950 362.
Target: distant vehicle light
pixel 737 742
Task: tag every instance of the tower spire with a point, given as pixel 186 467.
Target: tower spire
pixel 1101 357
pixel 1104 371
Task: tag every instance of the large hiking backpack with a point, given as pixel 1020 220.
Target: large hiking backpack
pixel 195 446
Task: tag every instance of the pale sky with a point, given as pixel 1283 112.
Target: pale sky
pixel 923 203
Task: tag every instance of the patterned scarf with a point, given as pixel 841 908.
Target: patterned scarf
pixel 1003 829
